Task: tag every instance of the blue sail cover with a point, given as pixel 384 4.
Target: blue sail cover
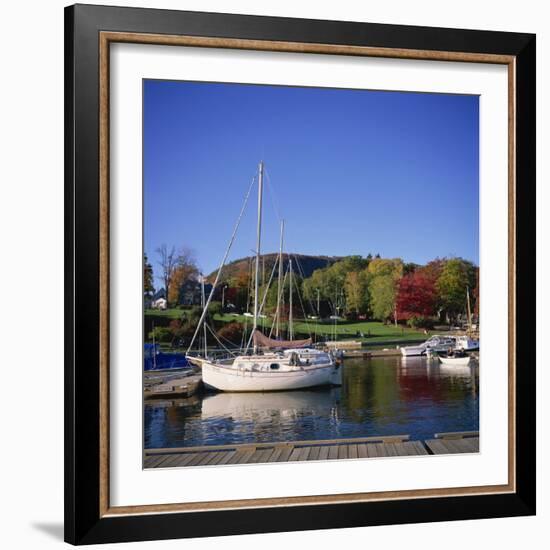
pixel 154 359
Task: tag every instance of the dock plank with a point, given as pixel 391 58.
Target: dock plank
pixel 381 450
pixel 183 460
pixel 237 457
pixel 285 453
pixel 173 459
pixel 400 449
pixel 294 454
pixel 304 453
pixel 437 447
pixel 419 448
pixel 333 452
pixel 323 452
pixel 247 457
pixel 197 458
pixel 314 452
pixel 227 456
pixel 342 451
pixel 261 455
pixel 275 454
pixel 168 460
pixel 362 450
pixel 154 461
pixel 472 444
pixel 390 449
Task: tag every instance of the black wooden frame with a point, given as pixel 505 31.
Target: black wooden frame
pixel 83 524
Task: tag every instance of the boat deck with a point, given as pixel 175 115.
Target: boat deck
pixel 297 451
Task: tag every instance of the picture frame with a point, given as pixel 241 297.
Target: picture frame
pixel 89 33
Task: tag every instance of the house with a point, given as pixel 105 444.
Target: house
pixel 149 298
pixel 161 304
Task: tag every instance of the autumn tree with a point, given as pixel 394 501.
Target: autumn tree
pixel 416 295
pixel 167 263
pixel 177 267
pixel 434 268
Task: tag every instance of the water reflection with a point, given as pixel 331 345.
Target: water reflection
pixel 381 396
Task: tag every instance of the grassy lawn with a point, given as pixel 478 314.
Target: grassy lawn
pixel 365 331
pixel 168 313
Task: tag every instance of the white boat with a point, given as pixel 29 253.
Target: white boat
pixel 269 372
pixel 455 361
pixel 465 343
pixel 434 344
pixel 259 372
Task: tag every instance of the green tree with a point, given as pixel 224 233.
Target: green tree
pixel 384 276
pixel 148 287
pixel 383 293
pixel 384 266
pixel 356 286
pixel 456 276
pixel 330 281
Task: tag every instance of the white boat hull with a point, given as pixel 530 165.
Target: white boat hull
pixel 455 361
pixel 228 378
pixel 413 351
pixel 435 344
pixel 467 343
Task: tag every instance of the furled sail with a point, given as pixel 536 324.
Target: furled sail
pixel 262 341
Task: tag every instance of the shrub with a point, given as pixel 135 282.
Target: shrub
pixel 233 332
pixel 420 322
pixel 161 334
pixel 214 308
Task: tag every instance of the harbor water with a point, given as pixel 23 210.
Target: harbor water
pixel 379 397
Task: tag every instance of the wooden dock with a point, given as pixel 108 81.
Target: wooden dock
pixel 454 442
pixel 165 385
pixel 298 451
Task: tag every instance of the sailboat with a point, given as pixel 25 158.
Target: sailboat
pixel 284 365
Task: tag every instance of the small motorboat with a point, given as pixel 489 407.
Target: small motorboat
pixel 436 343
pixel 466 343
pixel 456 360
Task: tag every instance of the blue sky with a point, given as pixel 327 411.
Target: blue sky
pixel 350 171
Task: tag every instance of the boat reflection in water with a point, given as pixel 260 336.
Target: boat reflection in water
pixel 256 406
pixel 379 396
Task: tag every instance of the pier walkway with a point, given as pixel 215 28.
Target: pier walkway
pixel 296 451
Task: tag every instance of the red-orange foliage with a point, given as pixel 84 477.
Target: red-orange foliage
pixel 232 331
pixel 416 295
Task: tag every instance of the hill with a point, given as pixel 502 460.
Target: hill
pixel 302 265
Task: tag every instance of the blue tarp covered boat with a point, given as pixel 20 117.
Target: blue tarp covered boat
pixel 154 359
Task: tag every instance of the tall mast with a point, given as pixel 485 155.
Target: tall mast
pixel 290 328
pixel 258 243
pixel 154 349
pixel 203 303
pixel 469 312
pixel 280 283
